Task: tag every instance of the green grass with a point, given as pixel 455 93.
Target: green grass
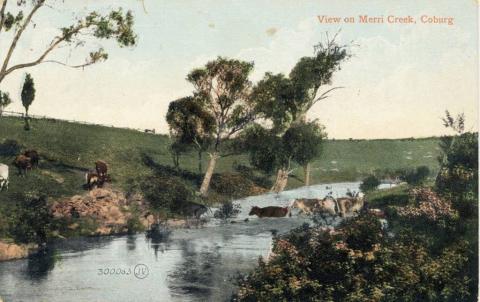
pixel 69 149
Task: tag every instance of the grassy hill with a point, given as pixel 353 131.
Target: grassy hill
pixel 69 149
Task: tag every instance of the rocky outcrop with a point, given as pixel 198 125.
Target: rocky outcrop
pixel 12 251
pixel 109 208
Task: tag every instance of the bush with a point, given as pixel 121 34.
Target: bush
pixel 416 177
pixel 227 210
pixel 30 221
pixel 168 194
pixel 356 263
pixel 369 184
pixel 233 185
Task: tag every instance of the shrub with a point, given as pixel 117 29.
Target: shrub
pixel 30 220
pixel 369 184
pixel 169 194
pixel 232 184
pixel 416 177
pixel 227 210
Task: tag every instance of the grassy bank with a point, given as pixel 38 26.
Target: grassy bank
pixel 69 149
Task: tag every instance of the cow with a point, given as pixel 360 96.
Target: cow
pixel 306 206
pixel 195 209
pixel 23 164
pixel 34 157
pixel 93 180
pixel 269 211
pixel 101 168
pixel 350 205
pixel 328 205
pixel 3 177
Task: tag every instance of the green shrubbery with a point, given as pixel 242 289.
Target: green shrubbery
pixel 369 184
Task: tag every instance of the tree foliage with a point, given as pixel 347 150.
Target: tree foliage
pixel 5 100
pixel 116 24
pixel 369 184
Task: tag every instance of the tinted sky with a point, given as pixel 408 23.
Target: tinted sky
pixel 398 84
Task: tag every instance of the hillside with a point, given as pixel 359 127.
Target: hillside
pixel 69 149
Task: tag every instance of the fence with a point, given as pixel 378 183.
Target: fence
pixel 43 117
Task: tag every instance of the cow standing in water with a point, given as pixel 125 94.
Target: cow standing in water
pixel 269 211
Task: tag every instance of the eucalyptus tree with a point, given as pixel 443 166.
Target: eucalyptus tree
pixel 285 101
pixel 82 32
pixel 224 89
pixel 190 126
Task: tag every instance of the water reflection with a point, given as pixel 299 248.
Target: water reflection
pixel 41 263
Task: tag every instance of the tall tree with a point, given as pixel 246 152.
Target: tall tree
pixel 5 100
pixel 28 95
pixel 286 100
pixel 304 140
pixel 190 126
pixel 224 89
pixel 18 16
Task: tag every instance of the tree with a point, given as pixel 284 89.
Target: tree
pixel 4 101
pixel 286 100
pixel 304 141
pixel 190 125
pixel 270 152
pixel 369 184
pixel 28 95
pixel 224 90
pixel 114 25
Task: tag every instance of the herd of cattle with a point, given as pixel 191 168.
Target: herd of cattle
pixel 343 207
pixel 29 160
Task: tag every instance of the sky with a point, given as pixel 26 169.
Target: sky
pixel 398 83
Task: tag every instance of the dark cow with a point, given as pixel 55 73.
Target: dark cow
pixel 101 168
pixel 269 211
pixel 23 164
pixel 195 209
pixel 93 180
pixel 34 157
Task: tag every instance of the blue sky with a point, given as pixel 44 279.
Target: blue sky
pixel 398 84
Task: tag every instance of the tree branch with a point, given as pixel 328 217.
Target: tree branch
pixel 2 14
pixel 17 37
pixel 325 94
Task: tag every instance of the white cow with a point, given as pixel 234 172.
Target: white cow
pixel 3 177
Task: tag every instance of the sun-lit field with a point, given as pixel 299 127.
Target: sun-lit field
pixel 69 149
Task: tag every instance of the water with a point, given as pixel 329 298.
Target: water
pixel 191 265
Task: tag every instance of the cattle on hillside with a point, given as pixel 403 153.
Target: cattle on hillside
pixel 102 168
pixel 34 157
pixel 3 177
pixel 23 164
pixel 93 180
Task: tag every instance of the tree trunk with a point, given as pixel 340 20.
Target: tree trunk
pixel 306 172
pixel 208 174
pixel 199 161
pixel 281 181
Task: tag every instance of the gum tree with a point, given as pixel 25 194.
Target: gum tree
pixel 285 101
pixel 18 16
pixel 223 87
pixel 5 100
pixel 190 126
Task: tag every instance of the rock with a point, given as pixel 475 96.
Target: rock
pixel 11 251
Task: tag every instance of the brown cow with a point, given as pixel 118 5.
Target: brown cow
pixel 23 164
pixel 101 168
pixel 93 180
pixel 34 157
pixel 305 205
pixel 269 211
